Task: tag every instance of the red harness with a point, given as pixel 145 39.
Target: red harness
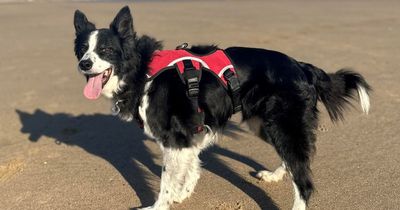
pixel 216 62
pixel 189 67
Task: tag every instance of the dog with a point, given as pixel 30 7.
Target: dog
pixel 277 99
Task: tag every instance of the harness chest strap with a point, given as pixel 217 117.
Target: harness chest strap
pixel 192 78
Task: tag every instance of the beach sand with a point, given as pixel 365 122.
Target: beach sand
pixel 61 151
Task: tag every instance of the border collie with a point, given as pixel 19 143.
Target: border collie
pixel 278 96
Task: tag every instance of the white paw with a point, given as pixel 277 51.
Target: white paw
pixel 299 205
pixel 269 176
pixel 146 208
pixel 178 200
pixel 155 208
pixel 179 197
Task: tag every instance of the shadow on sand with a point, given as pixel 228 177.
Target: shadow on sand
pixel 122 145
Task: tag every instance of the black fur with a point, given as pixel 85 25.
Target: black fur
pixel 279 90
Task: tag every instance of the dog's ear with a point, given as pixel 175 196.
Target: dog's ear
pixel 81 23
pixel 123 26
pixel 123 23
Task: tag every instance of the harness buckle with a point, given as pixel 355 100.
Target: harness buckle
pixel 193 87
pixel 234 86
pixel 232 80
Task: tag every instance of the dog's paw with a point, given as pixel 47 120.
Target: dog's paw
pixel 152 208
pixel 186 192
pixel 178 200
pixel 182 196
pixel 299 205
pixel 157 206
pixel 147 208
pixel 269 176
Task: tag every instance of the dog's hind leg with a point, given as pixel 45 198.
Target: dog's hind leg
pixel 295 149
pixel 290 130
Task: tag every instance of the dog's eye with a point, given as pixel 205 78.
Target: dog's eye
pixel 107 50
pixel 84 48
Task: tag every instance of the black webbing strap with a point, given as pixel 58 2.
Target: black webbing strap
pixel 192 78
pixel 234 89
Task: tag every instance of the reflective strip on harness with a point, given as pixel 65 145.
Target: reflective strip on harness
pixel 189 58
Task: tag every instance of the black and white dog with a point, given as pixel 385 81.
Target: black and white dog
pixel 278 94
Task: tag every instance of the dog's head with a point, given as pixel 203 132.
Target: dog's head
pixel 102 52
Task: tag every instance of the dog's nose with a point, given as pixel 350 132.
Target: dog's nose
pixel 85 65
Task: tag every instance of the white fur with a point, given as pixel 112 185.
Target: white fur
pixel 299 203
pixel 364 99
pixel 205 140
pixel 275 176
pixel 143 110
pixel 112 86
pixel 189 173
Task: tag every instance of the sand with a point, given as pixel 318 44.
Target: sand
pixel 61 151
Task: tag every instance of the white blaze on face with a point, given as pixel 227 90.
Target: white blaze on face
pixel 99 65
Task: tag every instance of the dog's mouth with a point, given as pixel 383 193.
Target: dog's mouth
pixel 95 84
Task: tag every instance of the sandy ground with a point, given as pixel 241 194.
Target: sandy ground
pixel 61 151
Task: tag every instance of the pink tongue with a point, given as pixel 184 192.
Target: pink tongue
pixel 93 87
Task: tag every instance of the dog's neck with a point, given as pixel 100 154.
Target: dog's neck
pixel 130 95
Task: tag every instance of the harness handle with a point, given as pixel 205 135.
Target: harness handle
pixel 182 46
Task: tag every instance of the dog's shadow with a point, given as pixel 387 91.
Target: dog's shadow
pixel 122 145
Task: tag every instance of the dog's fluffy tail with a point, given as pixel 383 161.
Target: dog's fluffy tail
pixel 335 89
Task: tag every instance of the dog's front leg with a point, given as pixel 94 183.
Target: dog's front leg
pixel 191 176
pixel 193 167
pixel 172 178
